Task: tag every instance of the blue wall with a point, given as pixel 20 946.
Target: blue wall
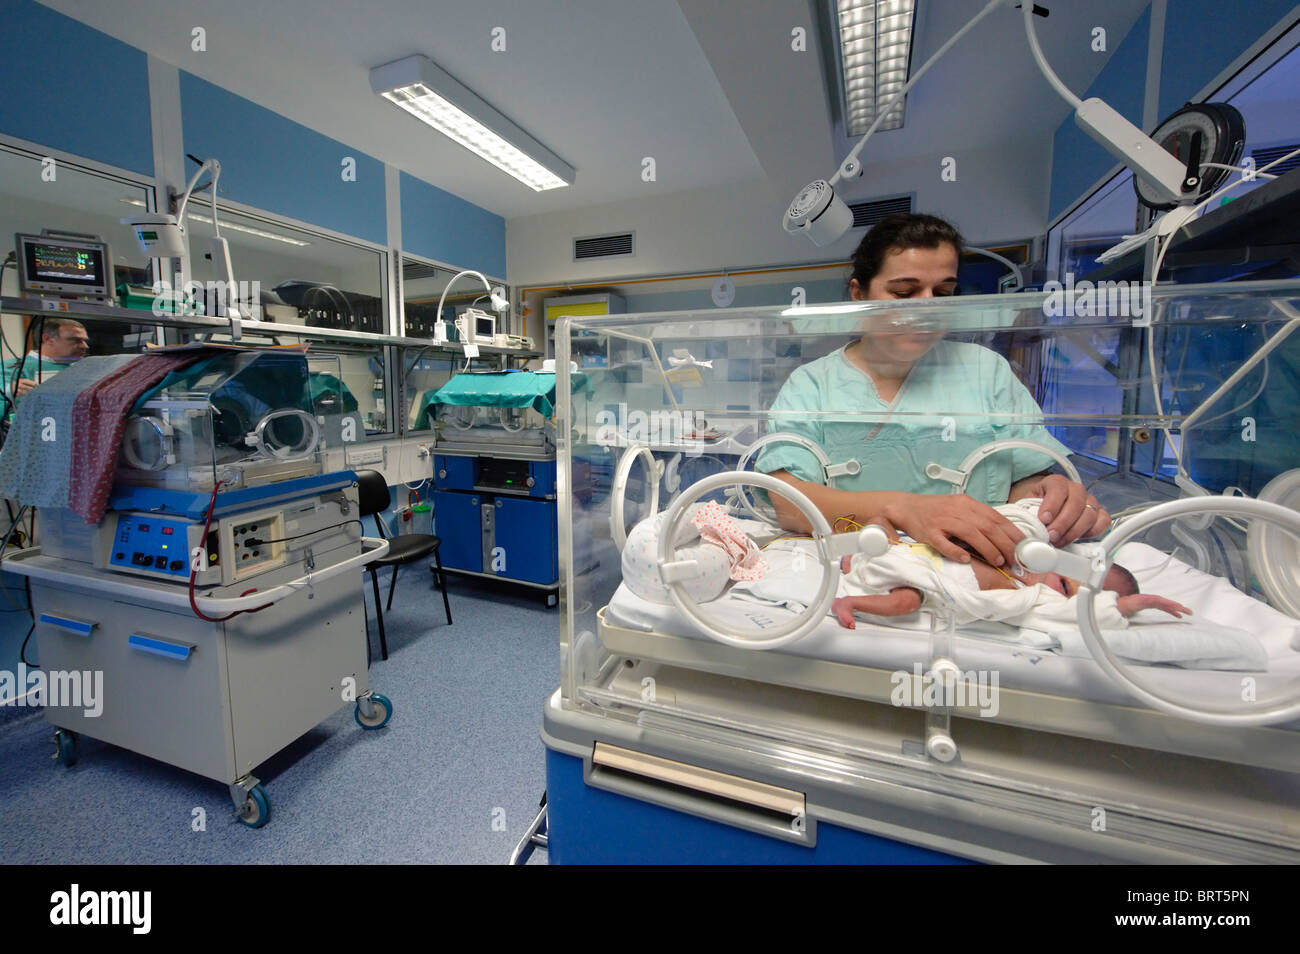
pixel 442 226
pixel 72 88
pixel 1077 159
pixel 1201 38
pixel 276 164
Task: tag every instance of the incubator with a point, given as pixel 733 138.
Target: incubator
pixel 217 591
pixel 709 666
pixel 238 419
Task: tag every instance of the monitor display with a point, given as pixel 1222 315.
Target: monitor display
pixel 51 264
pixel 485 328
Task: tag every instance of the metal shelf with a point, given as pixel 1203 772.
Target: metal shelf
pixel 89 311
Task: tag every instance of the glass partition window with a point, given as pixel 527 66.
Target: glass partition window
pixel 423 284
pixel 64 197
pixel 303 278
pixel 363 386
pixel 426 372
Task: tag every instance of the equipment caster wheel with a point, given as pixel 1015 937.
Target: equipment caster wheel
pixel 65 747
pixel 256 810
pixel 381 710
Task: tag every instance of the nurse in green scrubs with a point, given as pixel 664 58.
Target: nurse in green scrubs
pixel 927 400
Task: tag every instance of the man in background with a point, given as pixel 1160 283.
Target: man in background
pixel 62 342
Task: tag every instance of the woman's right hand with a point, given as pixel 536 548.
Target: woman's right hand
pixel 942 519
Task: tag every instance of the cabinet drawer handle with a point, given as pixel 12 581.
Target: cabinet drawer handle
pixel 75 626
pixel 160 647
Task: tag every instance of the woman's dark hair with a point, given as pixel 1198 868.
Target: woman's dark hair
pixel 898 232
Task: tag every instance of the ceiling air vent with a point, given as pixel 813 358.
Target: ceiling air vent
pixel 1263 157
pixel 603 246
pixel 867 214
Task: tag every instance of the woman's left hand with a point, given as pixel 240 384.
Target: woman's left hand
pixel 1068 510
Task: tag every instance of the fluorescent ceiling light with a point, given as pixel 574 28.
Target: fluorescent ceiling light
pixel 432 95
pixel 234 227
pixel 875 44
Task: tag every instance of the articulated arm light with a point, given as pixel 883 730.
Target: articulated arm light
pixel 821 215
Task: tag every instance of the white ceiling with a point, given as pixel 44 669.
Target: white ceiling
pixel 710 88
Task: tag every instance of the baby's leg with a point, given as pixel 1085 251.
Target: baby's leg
pixel 898 602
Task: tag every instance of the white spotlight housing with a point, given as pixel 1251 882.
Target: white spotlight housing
pixel 818 213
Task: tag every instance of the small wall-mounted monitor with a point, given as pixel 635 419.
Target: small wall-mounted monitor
pixel 54 265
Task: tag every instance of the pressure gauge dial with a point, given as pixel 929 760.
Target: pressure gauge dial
pixel 1213 132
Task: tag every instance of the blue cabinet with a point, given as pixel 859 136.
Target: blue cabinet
pixel 496 516
pixel 459 526
pixel 526 540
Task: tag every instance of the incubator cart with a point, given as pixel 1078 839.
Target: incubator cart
pixel 220 595
pixel 753 727
pixel 494 477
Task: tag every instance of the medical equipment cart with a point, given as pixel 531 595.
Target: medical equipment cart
pixel 221 695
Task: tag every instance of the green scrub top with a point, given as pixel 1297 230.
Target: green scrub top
pixel 32 367
pixel 956 398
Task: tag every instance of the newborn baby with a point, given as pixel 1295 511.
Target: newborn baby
pixel 911 575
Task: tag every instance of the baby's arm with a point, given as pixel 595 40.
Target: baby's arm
pixel 1128 605
pixel 898 602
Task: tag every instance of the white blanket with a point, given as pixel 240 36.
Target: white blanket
pixel 1227 631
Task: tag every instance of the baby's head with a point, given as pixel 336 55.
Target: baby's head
pixel 1118 580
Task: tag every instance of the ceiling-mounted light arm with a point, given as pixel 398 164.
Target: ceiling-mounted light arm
pixel 1166 175
pixel 850 167
pixel 823 217
pixel 817 211
pixel 499 302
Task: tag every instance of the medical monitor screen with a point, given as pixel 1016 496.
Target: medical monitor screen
pixel 49 264
pixel 484 328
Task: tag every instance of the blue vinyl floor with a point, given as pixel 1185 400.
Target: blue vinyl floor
pixel 454 778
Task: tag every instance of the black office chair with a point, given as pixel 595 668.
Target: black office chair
pixel 402 549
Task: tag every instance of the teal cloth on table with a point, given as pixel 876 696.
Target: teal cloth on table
pixel 533 389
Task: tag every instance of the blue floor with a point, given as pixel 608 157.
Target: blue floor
pixel 454 778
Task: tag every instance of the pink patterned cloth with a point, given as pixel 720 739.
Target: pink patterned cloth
pixel 717 527
pixel 99 421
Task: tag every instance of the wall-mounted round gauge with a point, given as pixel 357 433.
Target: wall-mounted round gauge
pixel 1216 129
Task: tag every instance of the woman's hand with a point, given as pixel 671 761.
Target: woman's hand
pixel 1068 510
pixel 942 519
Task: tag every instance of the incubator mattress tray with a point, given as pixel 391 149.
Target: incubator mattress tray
pixel 1037 689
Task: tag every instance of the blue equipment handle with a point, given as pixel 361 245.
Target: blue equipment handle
pixel 75 626
pixel 160 647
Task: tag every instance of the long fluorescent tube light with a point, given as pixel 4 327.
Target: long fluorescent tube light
pixel 875 44
pixel 434 96
pixel 234 227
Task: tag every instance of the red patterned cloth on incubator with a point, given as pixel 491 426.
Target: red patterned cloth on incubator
pixel 99 419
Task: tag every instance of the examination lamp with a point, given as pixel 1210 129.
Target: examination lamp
pixel 162 235
pixel 497 295
pixel 822 215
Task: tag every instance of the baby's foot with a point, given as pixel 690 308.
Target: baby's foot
pixel 844 611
